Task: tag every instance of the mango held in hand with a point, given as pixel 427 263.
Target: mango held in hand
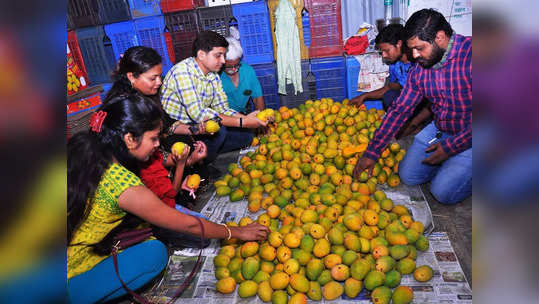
pixel 193 181
pixel 177 148
pixel 265 115
pixel 211 126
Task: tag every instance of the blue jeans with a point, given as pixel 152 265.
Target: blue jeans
pixel 226 140
pixel 138 265
pixel 451 181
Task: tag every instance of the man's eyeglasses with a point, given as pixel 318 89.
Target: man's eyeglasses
pixel 234 67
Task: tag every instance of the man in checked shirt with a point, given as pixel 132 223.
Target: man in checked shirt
pixel 442 152
pixel 192 93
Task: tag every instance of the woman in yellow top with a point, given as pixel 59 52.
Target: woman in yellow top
pixel 105 197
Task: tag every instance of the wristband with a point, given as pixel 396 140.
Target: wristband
pixel 228 230
pixel 241 122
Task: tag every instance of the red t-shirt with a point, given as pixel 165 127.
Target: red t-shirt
pixel 155 176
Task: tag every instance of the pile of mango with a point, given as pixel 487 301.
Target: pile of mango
pixel 331 235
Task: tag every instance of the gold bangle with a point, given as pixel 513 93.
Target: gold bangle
pixel 228 230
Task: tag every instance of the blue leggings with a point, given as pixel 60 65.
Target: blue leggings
pixel 138 265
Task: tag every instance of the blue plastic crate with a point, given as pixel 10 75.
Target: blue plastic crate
pixel 150 32
pixel 183 27
pixel 352 72
pixel 106 88
pixel 217 19
pixel 97 53
pixel 110 11
pixel 122 36
pixel 330 74
pixel 82 13
pixel 144 8
pixel 255 31
pixel 306 27
pixel 268 81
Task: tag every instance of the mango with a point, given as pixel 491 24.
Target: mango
pixel 267 252
pixel 283 254
pixel 374 279
pixel 223 190
pixel 352 287
pixel 221 260
pixel 247 289
pixel 279 280
pixel 349 257
pixel 393 279
pixel 340 272
pixel 226 285
pixel 298 298
pixel 299 283
pixel 317 231
pixel 402 295
pixel 237 195
pixel 279 297
pixel 423 273
pixel 314 268
pixel 325 277
pixel 222 272
pixel 235 264
pixel 399 251
pixel 353 221
pixel 261 276
pixel 412 235
pixel 381 295
pixel 335 236
pixel 249 249
pixel 249 268
pixel 332 290
pixel 422 243
pixel 315 291
pixel 211 126
pixel 385 264
pixel 302 256
pixel 321 248
pixel 406 266
pixel 351 242
pixel 359 269
pixel 267 267
pixel 291 266
pixel 264 291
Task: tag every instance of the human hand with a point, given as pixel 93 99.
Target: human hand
pixel 252 232
pixel 437 157
pixel 252 122
pixel 362 164
pixel 181 158
pixel 358 100
pixel 200 152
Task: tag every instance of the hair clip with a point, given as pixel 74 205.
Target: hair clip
pixel 96 121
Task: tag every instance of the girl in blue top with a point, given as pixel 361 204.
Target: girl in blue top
pixel 239 80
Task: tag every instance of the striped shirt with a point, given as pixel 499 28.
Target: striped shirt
pixel 190 96
pixel 448 88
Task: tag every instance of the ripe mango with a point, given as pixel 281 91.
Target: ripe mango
pixel 399 251
pixel 226 285
pixel 298 298
pixel 279 280
pixel 177 148
pixel 299 282
pixel 332 290
pixel 279 297
pixel 423 273
pixel 221 273
pixel 340 272
pixel 221 260
pixel 211 126
pixel 352 287
pixel 402 295
pixel 314 268
pixel 406 266
pixel 349 257
pixel 261 276
pixel 335 236
pixel 247 289
pixel 321 248
pixel 385 264
pixel 381 295
pixel 264 291
pixel 237 195
pixel 249 249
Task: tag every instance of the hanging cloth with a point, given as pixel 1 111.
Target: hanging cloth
pixel 288 50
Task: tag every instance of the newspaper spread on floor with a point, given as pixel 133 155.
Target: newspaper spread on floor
pixel 448 284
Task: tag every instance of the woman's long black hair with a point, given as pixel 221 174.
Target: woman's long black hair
pixel 91 153
pixel 136 60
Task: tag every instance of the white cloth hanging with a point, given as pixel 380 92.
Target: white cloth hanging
pixel 288 49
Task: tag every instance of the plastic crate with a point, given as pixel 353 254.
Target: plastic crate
pixel 150 32
pixel 225 2
pixel 298 5
pixel 144 8
pixel 74 47
pixel 217 19
pixel 111 11
pixel 180 5
pixel 292 100
pixel 255 31
pixel 82 13
pixel 330 74
pixel 122 36
pixel 97 53
pixel 267 77
pixel 352 72
pixel 183 28
pixel 79 120
pixel 326 29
